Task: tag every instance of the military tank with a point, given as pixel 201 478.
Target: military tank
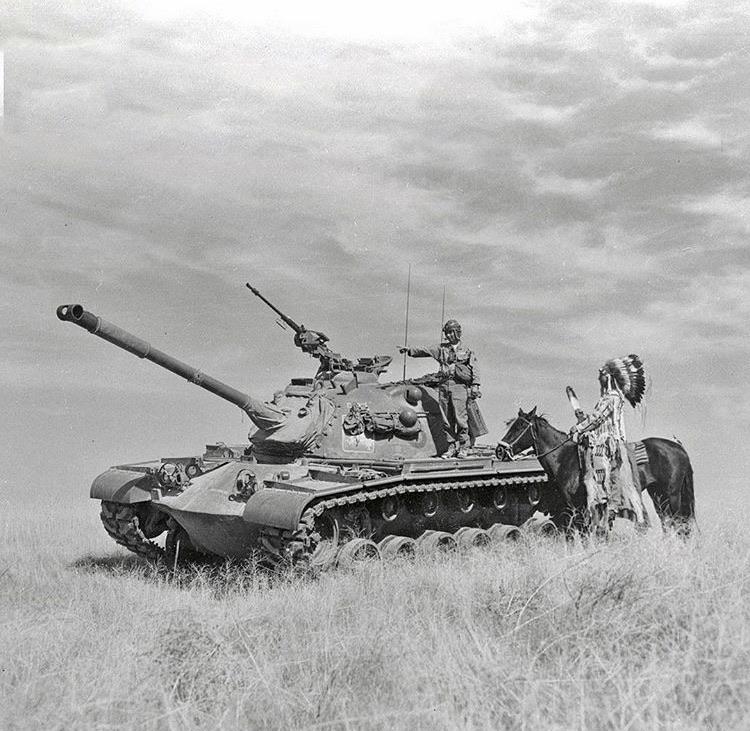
pixel 339 466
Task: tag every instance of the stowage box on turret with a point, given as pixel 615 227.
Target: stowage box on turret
pixel 340 466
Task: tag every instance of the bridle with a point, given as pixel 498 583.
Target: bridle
pixel 508 446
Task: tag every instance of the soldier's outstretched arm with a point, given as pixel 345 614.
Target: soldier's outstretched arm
pixel 429 352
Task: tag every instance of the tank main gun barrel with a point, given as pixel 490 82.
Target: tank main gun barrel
pixel 261 414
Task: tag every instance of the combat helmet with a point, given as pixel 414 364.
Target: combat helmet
pixel 452 326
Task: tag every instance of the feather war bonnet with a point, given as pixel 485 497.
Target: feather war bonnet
pixel 627 372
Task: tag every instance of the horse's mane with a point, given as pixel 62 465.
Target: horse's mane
pixel 543 418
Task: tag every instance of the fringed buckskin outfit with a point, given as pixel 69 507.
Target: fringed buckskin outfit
pixel 607 470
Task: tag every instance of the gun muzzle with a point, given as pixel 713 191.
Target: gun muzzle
pixel 77 315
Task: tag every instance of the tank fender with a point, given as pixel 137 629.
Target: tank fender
pixel 118 485
pixel 276 508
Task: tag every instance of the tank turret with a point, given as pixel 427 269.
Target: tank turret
pixel 343 412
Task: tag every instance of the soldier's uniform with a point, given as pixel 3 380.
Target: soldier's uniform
pixel 458 367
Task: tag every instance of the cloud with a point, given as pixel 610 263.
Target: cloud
pixel 713 312
pixel 534 112
pixel 693 132
pixel 726 208
pixel 573 187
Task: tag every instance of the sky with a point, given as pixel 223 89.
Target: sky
pixel 575 175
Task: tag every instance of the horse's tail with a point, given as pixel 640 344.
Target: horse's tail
pixel 684 516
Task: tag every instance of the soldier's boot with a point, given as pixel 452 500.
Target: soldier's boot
pixel 451 452
pixel 462 452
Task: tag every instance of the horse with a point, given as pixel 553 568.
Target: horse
pixel 667 475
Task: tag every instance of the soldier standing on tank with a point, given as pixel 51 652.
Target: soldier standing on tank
pixel 460 380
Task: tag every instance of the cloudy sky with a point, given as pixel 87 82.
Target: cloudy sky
pixel 574 174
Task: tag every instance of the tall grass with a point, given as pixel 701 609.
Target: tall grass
pixel 639 632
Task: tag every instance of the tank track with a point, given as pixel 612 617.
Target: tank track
pixel 123 525
pixel 300 546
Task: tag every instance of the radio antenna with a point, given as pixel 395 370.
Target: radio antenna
pixel 442 315
pixel 406 324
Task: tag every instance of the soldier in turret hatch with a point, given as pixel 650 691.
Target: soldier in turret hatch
pixel 460 381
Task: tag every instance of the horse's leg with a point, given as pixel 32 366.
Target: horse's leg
pixel 587 519
pixel 684 510
pixel 565 513
pixel 582 521
pixel 652 480
pixel 661 503
pixel 669 481
pixel 601 520
pixel 565 520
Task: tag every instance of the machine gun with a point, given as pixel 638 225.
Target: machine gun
pixel 314 343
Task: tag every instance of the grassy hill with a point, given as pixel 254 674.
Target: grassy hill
pixel 640 632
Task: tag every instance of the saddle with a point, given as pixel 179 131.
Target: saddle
pixel 637 452
pixel 640 462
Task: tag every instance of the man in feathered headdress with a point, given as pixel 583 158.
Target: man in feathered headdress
pixel 607 471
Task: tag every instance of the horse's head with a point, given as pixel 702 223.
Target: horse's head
pixel 519 437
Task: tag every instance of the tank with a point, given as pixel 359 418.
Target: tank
pixel 339 466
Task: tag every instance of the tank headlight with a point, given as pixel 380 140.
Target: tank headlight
pixel 171 475
pixel 246 482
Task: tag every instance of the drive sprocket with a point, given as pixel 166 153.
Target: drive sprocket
pixel 123 525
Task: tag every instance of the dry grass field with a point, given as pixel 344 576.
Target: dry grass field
pixel 641 632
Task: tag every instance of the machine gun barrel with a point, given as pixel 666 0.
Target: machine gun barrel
pixel 258 412
pixel 308 341
pixel 299 329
